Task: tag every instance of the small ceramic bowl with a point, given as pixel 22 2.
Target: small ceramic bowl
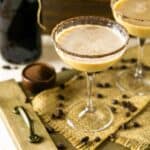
pixel 38 77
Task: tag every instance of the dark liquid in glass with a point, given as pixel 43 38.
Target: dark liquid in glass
pixel 21 38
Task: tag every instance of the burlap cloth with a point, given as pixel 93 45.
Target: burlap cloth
pixel 138 139
pixel 74 92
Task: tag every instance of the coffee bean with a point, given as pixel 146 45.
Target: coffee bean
pixel 115 101
pixel 80 77
pixel 62 86
pixel 64 68
pixel 60 97
pixel 136 125
pixel 107 85
pixel 53 116
pixel 6 67
pixel 133 60
pixel 127 114
pixel 111 68
pixel 123 67
pixel 129 106
pixel 98 72
pixel 125 104
pixel 90 73
pixel 113 109
pixel 99 95
pixel 125 96
pixel 58 114
pixel 97 139
pixel 61 112
pixel 124 60
pixel 99 85
pixel 85 140
pixel 146 67
pixel 132 108
pixel 124 126
pixel 60 105
pixel 61 146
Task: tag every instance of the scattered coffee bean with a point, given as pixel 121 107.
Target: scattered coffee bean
pixel 97 139
pixel 113 109
pixel 125 104
pixel 146 67
pixel 107 85
pixel 64 68
pixel 125 96
pixel 129 106
pixel 132 36
pixel 99 95
pixel 123 67
pixel 136 125
pixel 80 77
pixel 127 114
pixel 133 60
pixel 58 114
pixel 53 116
pixel 50 129
pixel 60 105
pixel 60 97
pixel 115 101
pixel 61 146
pixel 98 72
pixel 111 68
pixel 61 112
pixel 124 60
pixel 90 73
pixel 124 126
pixel 132 108
pixel 99 85
pixel 62 86
pixel 6 67
pixel 85 140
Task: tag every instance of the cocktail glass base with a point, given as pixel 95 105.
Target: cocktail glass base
pixel 80 118
pixel 127 82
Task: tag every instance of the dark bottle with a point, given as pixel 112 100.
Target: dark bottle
pixel 19 32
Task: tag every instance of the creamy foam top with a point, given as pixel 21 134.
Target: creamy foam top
pixel 90 40
pixel 138 9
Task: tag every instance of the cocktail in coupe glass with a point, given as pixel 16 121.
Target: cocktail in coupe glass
pixel 134 15
pixel 89 44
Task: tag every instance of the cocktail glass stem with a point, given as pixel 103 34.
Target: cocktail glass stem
pixel 139 69
pixel 90 82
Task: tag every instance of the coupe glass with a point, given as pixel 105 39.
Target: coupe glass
pixel 90 115
pixel 137 80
